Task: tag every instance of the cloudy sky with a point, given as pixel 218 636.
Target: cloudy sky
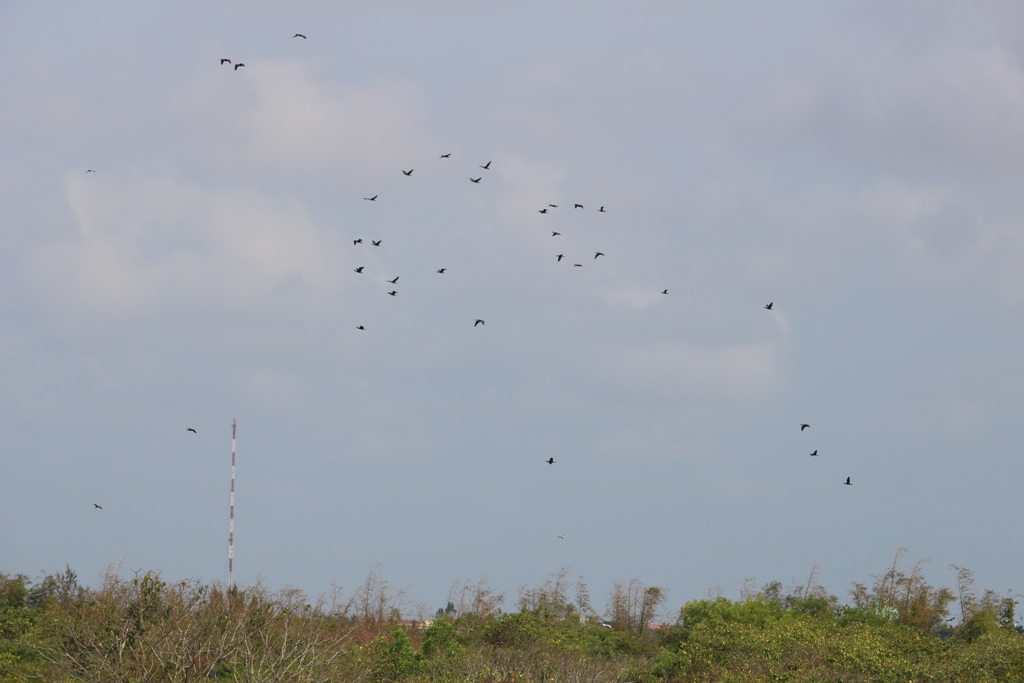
pixel 857 164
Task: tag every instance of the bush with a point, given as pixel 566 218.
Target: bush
pixel 441 640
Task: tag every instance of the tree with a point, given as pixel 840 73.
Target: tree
pixel 632 606
pixel 475 598
pixel 550 600
pixel 375 601
pixel 980 615
pixel 904 597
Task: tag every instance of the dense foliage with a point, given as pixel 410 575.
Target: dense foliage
pixel 145 629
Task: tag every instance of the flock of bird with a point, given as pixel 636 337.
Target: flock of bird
pixel 441 271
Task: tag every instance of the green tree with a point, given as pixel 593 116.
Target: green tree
pixel 395 658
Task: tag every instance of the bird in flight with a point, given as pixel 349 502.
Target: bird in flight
pixel 360 269
pixel 553 206
pixel 577 206
pixel 409 172
pixel 223 60
pixel 848 482
pixel 358 241
pixel 98 507
pixel 814 453
pixel 441 270
pixel 543 211
pixel 804 426
pixel 89 171
pixel 559 257
pixel 562 536
pixel 393 293
pixel 360 327
pixel 486 166
pixel 395 281
pixel 476 180
pixel 238 65
pixel 189 429
pixel 600 253
pixel 550 461
pixel 555 234
pixel 371 199
pixel 664 291
pixel 577 265
pixel 446 156
pixel 768 306
pixel 601 210
pixel 376 243
pixel 478 322
pixel 299 35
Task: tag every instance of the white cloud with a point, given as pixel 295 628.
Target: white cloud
pixel 526 187
pixel 301 124
pixel 957 106
pixel 944 237
pixel 672 371
pixel 633 296
pixel 156 242
pixel 966 105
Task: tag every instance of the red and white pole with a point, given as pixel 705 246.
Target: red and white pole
pixel 231 519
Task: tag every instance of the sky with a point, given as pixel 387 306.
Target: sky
pixel 856 164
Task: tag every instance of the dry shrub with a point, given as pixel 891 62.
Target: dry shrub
pixel 146 629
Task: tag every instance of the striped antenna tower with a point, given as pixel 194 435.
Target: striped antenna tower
pixel 231 518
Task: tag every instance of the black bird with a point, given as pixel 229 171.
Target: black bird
pixel 189 429
pixel 409 172
pixel 664 291
pixel 550 461
pixel 848 482
pixel 601 210
pixel 98 507
pixel 395 281
pixel 224 60
pixel 441 270
pixel 476 180
pixel 238 65
pixel 486 166
pixel 553 206
pixel 768 306
pixel 358 241
pixel 577 265
pixel 446 156
pixel 562 536
pixel 376 244
pixel 360 327
pixel 543 211
pixel 360 269
pixel 814 453
pixel 577 206
pixel 478 322
pixel 299 35
pixel 600 253
pixel 89 171
pixel 559 257
pixel 804 426
pixel 392 293
pixel 371 199
pixel 555 234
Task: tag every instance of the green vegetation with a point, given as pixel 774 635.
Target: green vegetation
pixel 146 629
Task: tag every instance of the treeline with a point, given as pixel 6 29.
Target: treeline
pixel 897 627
